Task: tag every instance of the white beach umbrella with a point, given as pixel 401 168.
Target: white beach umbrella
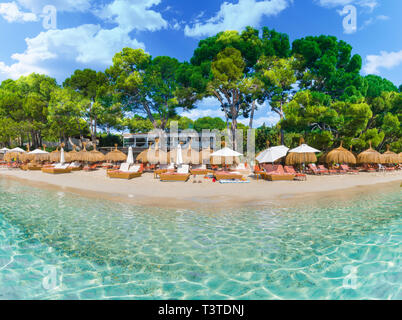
pixel 130 158
pixel 17 150
pixel 62 158
pixel 226 152
pixel 230 156
pixel 179 155
pixel 4 150
pixel 273 154
pixel 304 148
pixel 38 151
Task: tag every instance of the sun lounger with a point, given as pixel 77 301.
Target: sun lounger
pixel 57 169
pixel 182 174
pixel 324 170
pixel 314 170
pixel 279 175
pixel 224 175
pixel 91 168
pixel 241 167
pixel 163 168
pixel 200 170
pixel 126 172
pixel 75 166
pixel 298 176
pixel 346 168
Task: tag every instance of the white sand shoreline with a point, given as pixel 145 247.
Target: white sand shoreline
pixel 148 191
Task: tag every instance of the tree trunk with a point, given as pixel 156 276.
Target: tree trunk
pixel 150 116
pixel 95 131
pixel 252 115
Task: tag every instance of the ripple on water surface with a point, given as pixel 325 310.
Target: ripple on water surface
pixel 98 249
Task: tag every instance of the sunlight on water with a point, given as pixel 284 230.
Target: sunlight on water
pixel 56 245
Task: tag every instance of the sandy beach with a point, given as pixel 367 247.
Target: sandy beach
pixel 148 191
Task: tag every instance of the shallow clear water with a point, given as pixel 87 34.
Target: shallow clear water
pixel 56 245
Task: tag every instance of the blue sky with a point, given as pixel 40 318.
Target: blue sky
pixel 88 33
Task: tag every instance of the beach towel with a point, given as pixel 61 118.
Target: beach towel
pixel 234 181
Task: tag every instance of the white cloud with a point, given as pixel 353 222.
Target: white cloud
pixel 133 14
pixel 10 12
pixel 372 20
pixel 370 4
pixel 269 120
pixel 83 44
pixel 37 6
pixel 86 44
pixel 385 60
pixel 236 16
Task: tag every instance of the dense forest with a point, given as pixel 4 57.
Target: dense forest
pixel 314 85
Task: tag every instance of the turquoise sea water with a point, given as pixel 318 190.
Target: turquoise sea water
pixel 56 245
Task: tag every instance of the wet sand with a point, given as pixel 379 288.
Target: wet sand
pixel 148 191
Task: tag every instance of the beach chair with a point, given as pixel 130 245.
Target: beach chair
pixel 57 169
pixel 313 169
pixel 369 168
pixel 91 167
pixel 75 166
pixel 227 175
pixel 241 167
pixel 126 172
pixel 298 176
pixel 279 175
pixel 163 168
pixel 324 170
pixel 182 174
pixel 346 168
pixel 381 168
pixel 258 172
pixel 199 170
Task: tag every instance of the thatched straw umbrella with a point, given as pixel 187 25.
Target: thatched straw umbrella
pixel 300 158
pixel 73 155
pixel 191 156
pixel 94 156
pixel 15 153
pixel 83 154
pixel 156 155
pixel 205 155
pixel 24 157
pixel 54 156
pixel 116 155
pixel 369 156
pixel 153 155
pixel 303 154
pixel 143 156
pixel 389 157
pixel 340 155
pixel 36 155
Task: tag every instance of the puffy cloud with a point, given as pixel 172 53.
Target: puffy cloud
pixel 385 60
pixel 11 12
pixel 236 16
pixel 84 44
pixel 133 14
pixel 371 4
pixel 37 6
